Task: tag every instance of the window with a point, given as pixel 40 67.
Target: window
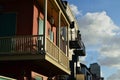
pixel 41 22
pixel 63 33
pixel 52 36
pixel 51 33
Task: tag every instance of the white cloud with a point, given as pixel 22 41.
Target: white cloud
pixel 75 10
pixel 115 76
pixel 96 27
pixel 99 32
pixel 111 62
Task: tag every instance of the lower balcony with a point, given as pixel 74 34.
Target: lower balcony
pixel 79 52
pixel 31 48
pixel 74 44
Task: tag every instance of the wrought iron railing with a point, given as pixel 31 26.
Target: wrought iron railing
pixel 21 44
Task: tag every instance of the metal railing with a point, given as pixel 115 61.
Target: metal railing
pixel 21 44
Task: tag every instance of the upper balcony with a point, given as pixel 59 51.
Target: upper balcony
pixel 32 48
pixel 75 41
pixel 77 45
pixel 80 51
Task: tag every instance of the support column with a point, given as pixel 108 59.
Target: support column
pixel 45 23
pixel 58 38
pixel 68 40
pixel 59 25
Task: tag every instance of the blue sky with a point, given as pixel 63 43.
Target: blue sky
pixel 111 6
pixel 100 28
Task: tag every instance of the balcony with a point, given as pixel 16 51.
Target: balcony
pixel 32 48
pixel 80 51
pixel 74 44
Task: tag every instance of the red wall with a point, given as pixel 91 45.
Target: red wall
pixel 27 16
pixel 35 20
pixel 24 14
pixel 55 36
pixel 38 14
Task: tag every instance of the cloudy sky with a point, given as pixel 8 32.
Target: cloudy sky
pixel 100 28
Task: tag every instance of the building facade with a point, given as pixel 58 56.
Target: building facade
pixel 85 73
pixel 76 45
pixel 95 69
pixel 34 42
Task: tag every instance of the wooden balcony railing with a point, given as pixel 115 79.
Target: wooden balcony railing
pixel 31 45
pixel 57 54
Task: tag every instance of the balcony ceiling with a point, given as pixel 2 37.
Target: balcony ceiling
pixel 47 70
pixel 41 66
